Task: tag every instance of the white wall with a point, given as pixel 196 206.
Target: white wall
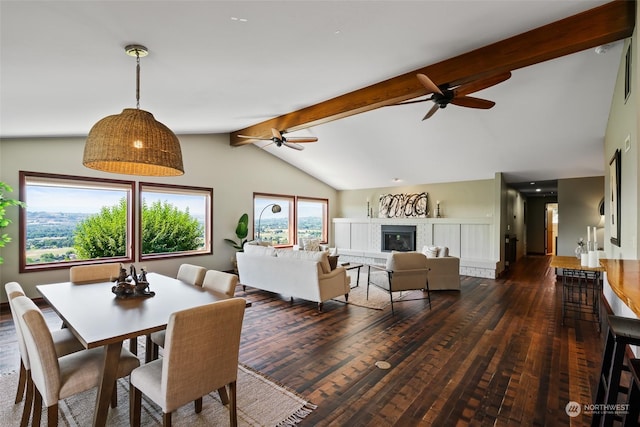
pixel 624 122
pixel 234 173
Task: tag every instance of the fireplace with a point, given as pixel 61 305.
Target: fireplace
pixel 400 238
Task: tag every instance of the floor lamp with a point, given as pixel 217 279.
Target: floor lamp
pixel 275 208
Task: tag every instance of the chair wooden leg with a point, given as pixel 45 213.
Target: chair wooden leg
pixel 346 297
pixel 133 346
pixel 320 307
pixel 135 406
pixel 22 381
pixel 197 405
pixel 166 420
pixel 224 397
pixel 37 408
pixel 28 402
pixel 233 411
pixel 114 396
pixel 52 415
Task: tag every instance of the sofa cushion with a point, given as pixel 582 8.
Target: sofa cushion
pixel 259 250
pixel 317 256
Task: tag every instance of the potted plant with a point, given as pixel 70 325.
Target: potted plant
pixel 242 230
pixel 4 203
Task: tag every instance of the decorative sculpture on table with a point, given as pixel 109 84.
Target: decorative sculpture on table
pixel 132 285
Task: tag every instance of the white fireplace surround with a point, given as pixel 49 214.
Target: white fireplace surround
pixel 470 239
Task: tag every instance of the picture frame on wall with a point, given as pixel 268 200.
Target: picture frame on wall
pixel 614 197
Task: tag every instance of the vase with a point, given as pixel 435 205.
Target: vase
pixel 580 250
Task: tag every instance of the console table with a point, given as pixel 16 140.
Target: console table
pixel 581 288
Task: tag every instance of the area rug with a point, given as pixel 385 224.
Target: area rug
pixel 261 402
pixel 378 298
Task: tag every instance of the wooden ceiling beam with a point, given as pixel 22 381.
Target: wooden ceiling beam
pixel 601 25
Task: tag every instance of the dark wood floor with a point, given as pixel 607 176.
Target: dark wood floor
pixel 495 353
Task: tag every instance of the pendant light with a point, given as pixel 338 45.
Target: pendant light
pixel 133 142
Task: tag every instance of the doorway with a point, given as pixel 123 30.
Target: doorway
pixel 551 228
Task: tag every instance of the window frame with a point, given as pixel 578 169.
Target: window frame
pixel 127 186
pixel 293 215
pixel 177 189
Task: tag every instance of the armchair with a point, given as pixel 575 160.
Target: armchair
pixel 405 271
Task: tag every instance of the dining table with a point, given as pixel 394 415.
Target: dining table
pixel 98 318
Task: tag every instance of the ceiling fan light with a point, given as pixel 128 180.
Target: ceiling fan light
pixel 133 143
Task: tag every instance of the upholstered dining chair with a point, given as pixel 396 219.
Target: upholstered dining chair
pixel 94 272
pixel 99 272
pixel 54 377
pixel 200 356
pixel 63 340
pixel 220 281
pixel 406 271
pixel 191 274
pixel 188 273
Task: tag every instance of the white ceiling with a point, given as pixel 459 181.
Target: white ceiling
pixel 220 66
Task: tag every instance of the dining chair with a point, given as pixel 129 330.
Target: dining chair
pixel 63 340
pixel 54 377
pixel 405 271
pixel 188 273
pixel 191 274
pixel 99 272
pixel 201 356
pixel 94 272
pixel 220 281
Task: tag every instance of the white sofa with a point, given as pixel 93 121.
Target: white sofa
pixel 444 270
pixel 299 274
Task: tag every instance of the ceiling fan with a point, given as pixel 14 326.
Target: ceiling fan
pixel 446 94
pixel 280 140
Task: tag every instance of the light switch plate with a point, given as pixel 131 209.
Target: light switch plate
pixel 627 143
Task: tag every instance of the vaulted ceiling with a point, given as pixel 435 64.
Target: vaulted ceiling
pixel 327 69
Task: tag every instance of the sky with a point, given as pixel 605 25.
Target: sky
pixel 69 200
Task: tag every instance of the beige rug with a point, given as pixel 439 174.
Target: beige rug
pixel 378 298
pixel 261 402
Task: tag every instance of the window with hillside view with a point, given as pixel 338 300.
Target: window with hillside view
pixel 72 220
pixel 299 217
pixel 175 220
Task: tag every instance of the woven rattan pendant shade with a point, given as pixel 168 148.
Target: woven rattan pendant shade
pixel 133 143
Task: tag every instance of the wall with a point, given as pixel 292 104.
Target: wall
pixel 578 202
pixel 465 199
pixel 623 122
pixel 234 173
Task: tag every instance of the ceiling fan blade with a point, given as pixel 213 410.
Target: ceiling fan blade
pixel 471 102
pixel 431 112
pixel 428 84
pixel 477 85
pixel 302 139
pixel 415 101
pixel 253 137
pixel 266 145
pixel 276 134
pixel 294 146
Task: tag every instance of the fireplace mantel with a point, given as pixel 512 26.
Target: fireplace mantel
pixel 470 239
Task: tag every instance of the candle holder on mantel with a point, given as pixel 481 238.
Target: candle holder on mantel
pixel 438 215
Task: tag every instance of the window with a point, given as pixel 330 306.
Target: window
pixel 298 218
pixel 70 220
pixel 312 219
pixel 175 220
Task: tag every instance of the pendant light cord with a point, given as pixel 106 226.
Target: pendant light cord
pixel 137 79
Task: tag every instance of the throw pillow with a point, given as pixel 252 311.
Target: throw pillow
pixel 431 251
pixel 443 251
pixel 311 244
